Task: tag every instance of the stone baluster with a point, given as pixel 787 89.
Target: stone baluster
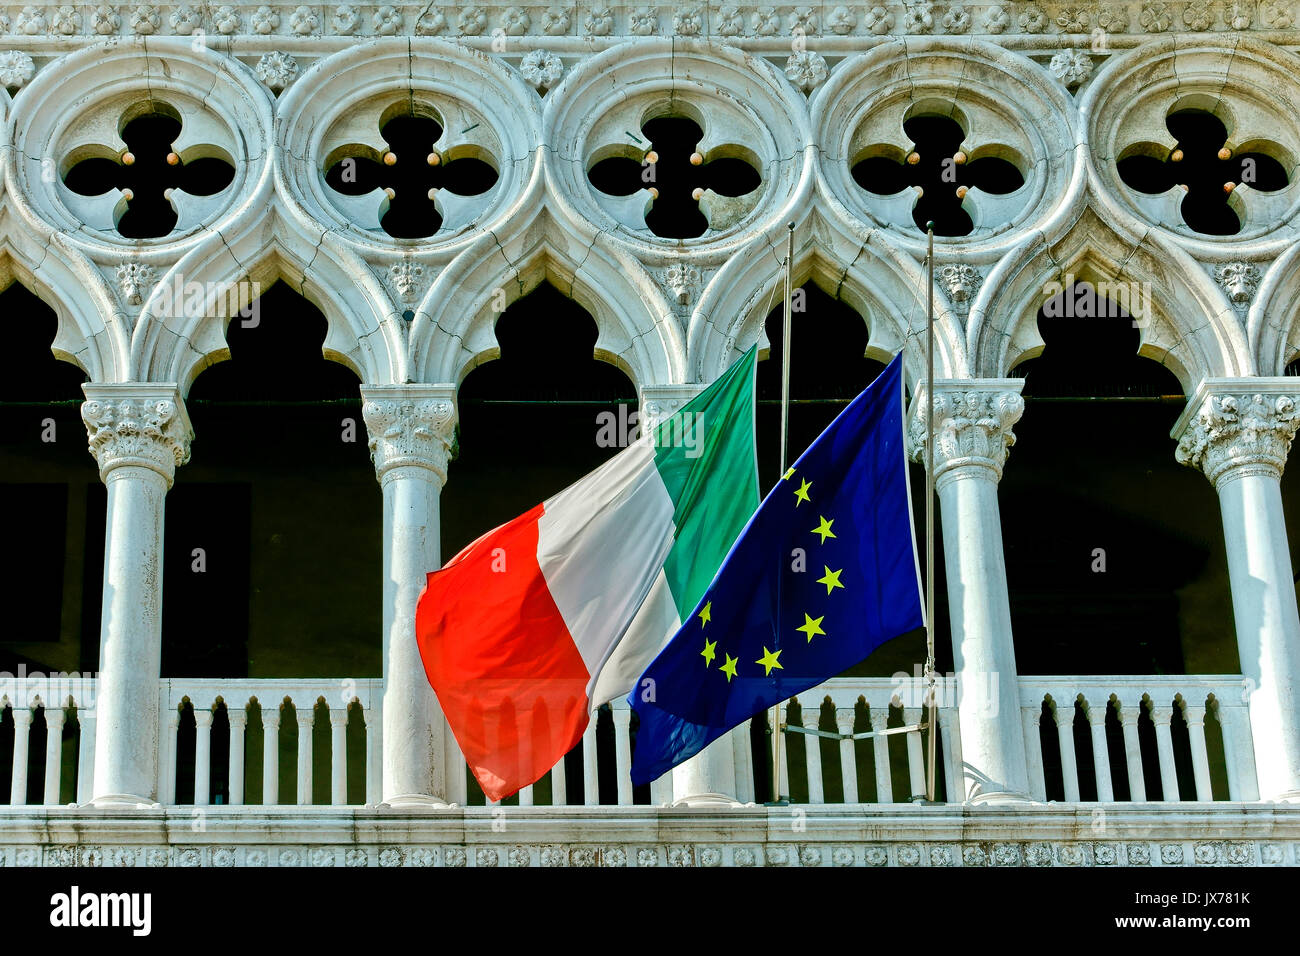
pixel 138 434
pixel 339 756
pixel 973 422
pixel 85 752
pixel 22 736
pixel 590 774
pixel 1032 721
pixel 1163 716
pixel 270 754
pixel 880 752
pixel 411 429
pixel 1238 433
pixel 915 752
pixel 1064 716
pixel 623 754
pixel 237 717
pixel 848 762
pixel 202 755
pixel 1128 721
pixel 306 715
pixel 54 719
pixel 1195 716
pixel 1096 714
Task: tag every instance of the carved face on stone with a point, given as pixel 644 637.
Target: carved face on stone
pixel 1239 281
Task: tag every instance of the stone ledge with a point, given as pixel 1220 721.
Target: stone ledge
pixel 1036 835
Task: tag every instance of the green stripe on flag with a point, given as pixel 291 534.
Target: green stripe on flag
pixel 706 456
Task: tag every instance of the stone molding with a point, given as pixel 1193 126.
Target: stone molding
pixel 972 422
pixel 1103 24
pixel 142 424
pixel 1219 835
pixel 661 402
pixel 1234 427
pixel 410 426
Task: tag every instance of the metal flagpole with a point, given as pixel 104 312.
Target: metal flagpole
pixel 929 513
pixel 785 438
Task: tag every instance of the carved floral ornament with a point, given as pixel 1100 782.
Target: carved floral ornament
pixel 972 427
pixel 409 431
pixel 1240 433
pixel 148 431
pixel 604 19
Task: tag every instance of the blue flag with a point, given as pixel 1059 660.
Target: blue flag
pixel 822 575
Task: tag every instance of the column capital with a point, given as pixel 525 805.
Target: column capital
pixel 659 402
pixel 202 717
pixel 237 717
pixel 137 423
pixel 844 720
pixel 410 425
pixel 22 716
pixel 1096 713
pixel 1233 427
pixel 972 424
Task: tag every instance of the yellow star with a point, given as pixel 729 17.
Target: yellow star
pixel 788 474
pixel 812 626
pixel 705 615
pixel 769 661
pixel 801 494
pixel 823 528
pixel 708 653
pixel 729 668
pixel 831 579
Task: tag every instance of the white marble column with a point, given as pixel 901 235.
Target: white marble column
pixel 708 778
pixel 411 429
pixel 972 422
pixel 1238 432
pixel 138 434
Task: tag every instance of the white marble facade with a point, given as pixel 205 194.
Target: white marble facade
pixel 541 92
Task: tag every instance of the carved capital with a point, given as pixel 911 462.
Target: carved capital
pixel 972 426
pixel 410 425
pixel 138 424
pixel 660 402
pixel 1237 427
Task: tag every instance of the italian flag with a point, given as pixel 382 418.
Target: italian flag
pixel 540 621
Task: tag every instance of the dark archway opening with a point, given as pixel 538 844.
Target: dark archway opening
pixel 51 501
pixel 1115 556
pixel 273 541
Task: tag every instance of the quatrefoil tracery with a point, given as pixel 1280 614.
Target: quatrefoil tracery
pixel 152 188
pixel 667 186
pixel 414 188
pixel 1202 178
pixel 939 180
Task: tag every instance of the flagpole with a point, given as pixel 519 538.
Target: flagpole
pixel 929 512
pixel 785 441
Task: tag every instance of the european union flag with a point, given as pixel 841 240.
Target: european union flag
pixel 824 573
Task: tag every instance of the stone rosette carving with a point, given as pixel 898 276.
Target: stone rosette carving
pixel 136 429
pixel 541 68
pixel 1071 67
pixel 972 427
pixel 16 68
pixel 807 70
pixel 408 429
pixel 1238 280
pixel 1236 433
pixel 277 70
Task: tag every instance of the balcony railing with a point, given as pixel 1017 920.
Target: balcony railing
pixel 847 741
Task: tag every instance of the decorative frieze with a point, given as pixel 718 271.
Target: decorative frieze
pixel 1236 427
pixel 410 425
pixel 142 425
pixel 972 426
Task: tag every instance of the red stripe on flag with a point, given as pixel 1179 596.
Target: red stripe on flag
pixel 500 658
